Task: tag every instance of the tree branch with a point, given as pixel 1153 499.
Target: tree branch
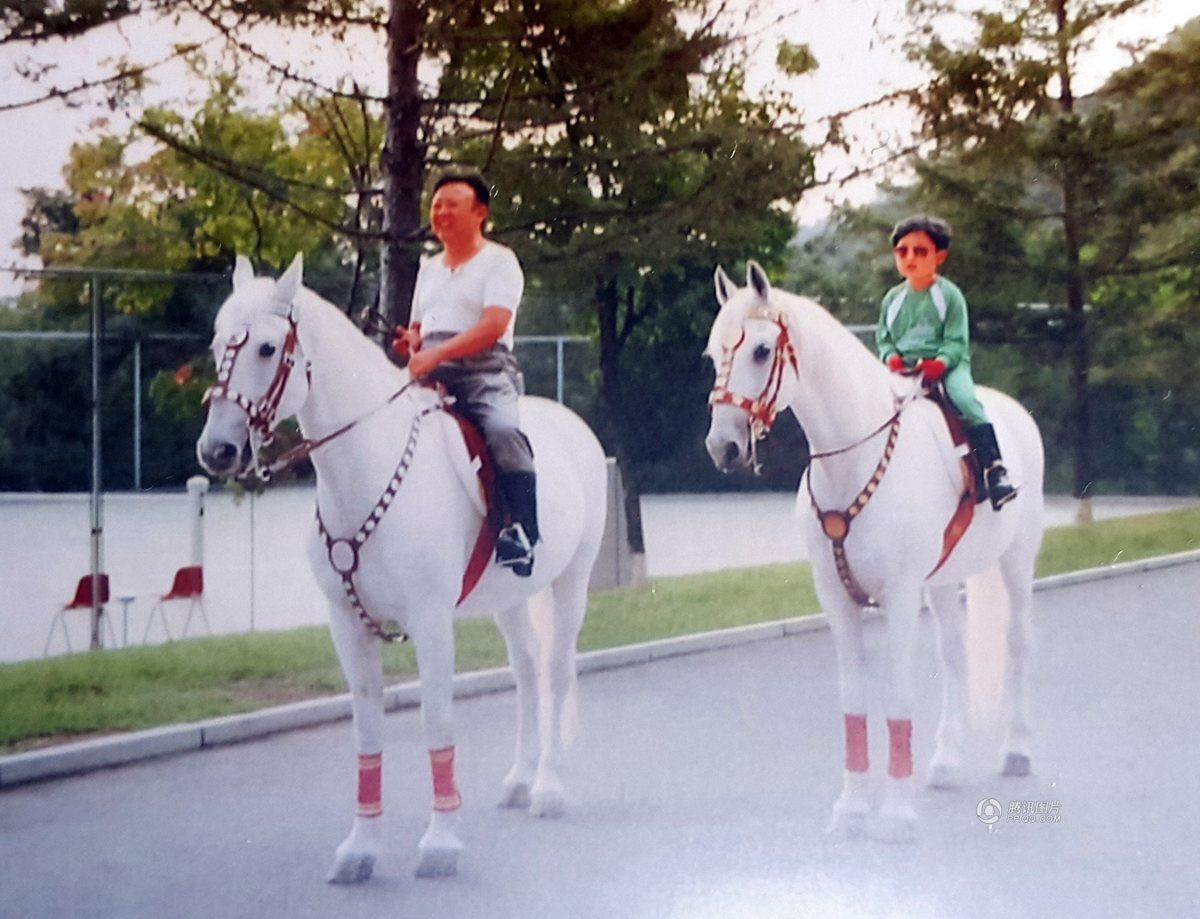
pixel 123 75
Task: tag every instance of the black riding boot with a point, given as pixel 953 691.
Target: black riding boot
pixel 514 545
pixel 983 442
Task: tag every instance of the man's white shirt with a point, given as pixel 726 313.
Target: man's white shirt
pixel 453 301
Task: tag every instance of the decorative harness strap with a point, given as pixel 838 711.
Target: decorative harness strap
pixel 836 524
pixel 344 552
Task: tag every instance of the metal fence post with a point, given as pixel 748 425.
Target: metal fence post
pixel 137 414
pixel 558 378
pixel 96 506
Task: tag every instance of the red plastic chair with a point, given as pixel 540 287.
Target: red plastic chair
pixel 188 585
pixel 81 600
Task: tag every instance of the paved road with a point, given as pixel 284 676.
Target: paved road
pixel 700 789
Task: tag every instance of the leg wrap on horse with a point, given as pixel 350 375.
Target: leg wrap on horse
pixel 445 791
pixel 900 762
pixel 856 743
pixel 370 785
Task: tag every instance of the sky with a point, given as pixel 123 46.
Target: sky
pixel 858 62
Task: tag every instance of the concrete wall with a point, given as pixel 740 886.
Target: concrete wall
pixel 616 566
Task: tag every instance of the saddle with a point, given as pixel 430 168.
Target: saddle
pixel 480 460
pixel 973 491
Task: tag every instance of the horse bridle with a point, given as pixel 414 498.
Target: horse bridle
pixel 763 409
pixel 261 415
pixel 343 553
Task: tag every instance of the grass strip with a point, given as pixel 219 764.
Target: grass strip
pixel 43 702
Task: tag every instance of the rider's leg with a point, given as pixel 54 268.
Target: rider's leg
pixel 486 390
pixel 960 387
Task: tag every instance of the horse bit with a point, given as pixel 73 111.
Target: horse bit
pixel 763 411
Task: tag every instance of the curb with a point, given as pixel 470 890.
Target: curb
pixel 88 755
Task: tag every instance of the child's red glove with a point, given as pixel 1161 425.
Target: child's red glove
pixel 896 363
pixel 933 369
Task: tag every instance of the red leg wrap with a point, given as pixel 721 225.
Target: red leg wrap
pixel 445 792
pixel 900 734
pixel 856 743
pixel 370 785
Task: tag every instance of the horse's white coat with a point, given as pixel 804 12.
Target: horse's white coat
pixel 840 393
pixel 412 564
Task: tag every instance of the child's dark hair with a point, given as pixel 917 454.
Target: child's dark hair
pixel 483 194
pixel 934 227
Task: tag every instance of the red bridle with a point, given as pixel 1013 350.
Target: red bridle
pixel 764 407
pixel 261 415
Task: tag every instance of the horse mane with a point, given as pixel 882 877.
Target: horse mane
pixel 806 319
pixel 322 324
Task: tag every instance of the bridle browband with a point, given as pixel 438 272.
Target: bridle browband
pixel 763 410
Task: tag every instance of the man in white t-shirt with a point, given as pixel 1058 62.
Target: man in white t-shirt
pixel 461 335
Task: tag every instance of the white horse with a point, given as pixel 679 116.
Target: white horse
pixel 887 481
pixel 281 351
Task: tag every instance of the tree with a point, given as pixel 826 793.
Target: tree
pixel 607 129
pixel 1008 133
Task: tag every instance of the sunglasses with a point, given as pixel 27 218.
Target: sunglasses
pixel 917 251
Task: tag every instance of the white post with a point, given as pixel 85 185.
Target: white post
pixel 197 486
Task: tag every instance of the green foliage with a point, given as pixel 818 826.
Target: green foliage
pixel 1030 176
pixel 795 60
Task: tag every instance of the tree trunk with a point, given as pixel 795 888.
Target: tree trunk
pixel 607 308
pixel 1076 284
pixel 403 161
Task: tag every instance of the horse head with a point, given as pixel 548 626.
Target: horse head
pixel 255 347
pixel 750 344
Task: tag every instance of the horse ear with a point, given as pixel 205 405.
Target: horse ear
pixel 757 278
pixel 243 271
pixel 723 285
pixel 288 286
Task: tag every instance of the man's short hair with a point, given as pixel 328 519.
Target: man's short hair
pixel 934 227
pixel 470 177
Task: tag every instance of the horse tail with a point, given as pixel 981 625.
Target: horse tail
pixel 542 611
pixel 988 613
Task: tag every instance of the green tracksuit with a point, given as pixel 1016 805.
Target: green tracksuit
pixel 918 330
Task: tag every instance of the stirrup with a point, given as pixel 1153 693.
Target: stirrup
pixel 513 550
pixel 999 491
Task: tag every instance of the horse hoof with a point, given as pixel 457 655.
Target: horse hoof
pixel 1016 764
pixel 944 776
pixel 515 795
pixel 438 863
pixel 547 802
pixel 896 826
pixel 351 869
pixel 847 824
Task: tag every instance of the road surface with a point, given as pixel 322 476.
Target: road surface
pixel 699 787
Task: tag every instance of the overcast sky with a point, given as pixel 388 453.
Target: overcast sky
pixel 857 63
